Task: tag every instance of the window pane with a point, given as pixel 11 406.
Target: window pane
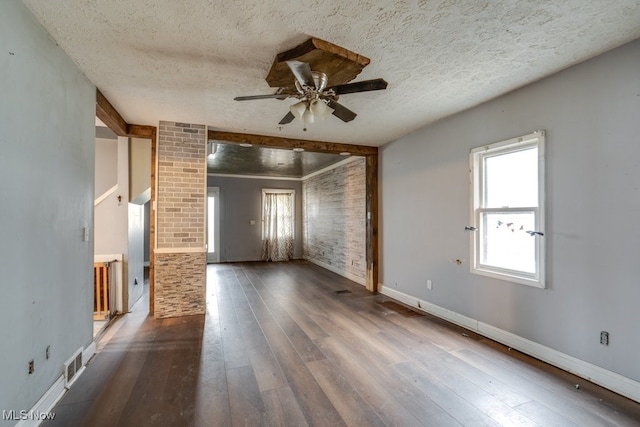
pixel 511 179
pixel 505 243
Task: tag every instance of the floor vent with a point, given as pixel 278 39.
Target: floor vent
pixel 343 291
pixel 72 368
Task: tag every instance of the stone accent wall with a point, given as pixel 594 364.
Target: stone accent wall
pixel 180 258
pixel 334 219
pixel 180 284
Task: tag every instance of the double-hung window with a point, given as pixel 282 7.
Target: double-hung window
pixel 508 210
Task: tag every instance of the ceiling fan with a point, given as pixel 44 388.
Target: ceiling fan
pixel 316 99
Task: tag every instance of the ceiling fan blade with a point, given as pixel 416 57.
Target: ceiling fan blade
pixel 287 119
pixel 363 86
pixel 341 112
pixel 302 72
pixel 252 97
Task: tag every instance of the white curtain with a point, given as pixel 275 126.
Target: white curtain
pixel 278 227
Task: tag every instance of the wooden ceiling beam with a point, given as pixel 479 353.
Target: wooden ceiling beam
pixel 290 143
pixel 114 121
pixel 109 115
pixel 141 131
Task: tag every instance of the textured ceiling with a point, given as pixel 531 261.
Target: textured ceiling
pixel 186 60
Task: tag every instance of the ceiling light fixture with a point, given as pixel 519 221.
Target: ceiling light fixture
pixel 307 110
pixel 298 149
pixel 246 145
pixel 345 153
pixel 212 147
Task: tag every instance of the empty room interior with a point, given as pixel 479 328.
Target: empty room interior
pixel 320 213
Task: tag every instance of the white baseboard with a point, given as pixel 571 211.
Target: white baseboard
pixel 44 406
pixel 88 352
pixel 603 377
pixel 52 396
pixel 359 280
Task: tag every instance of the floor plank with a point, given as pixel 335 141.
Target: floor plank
pixel 379 395
pixel 353 409
pixel 279 346
pixel 247 407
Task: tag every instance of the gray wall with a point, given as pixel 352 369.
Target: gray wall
pixel 106 165
pixel 592 116
pixel 110 215
pixel 47 142
pixel 335 219
pixel 139 170
pixel 241 202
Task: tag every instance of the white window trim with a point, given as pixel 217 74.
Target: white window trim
pixel 476 173
pixel 293 207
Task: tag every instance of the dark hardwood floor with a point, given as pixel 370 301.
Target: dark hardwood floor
pixel 291 344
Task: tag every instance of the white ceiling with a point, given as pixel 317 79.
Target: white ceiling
pixel 186 60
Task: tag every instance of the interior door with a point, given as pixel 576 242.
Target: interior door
pixel 213 224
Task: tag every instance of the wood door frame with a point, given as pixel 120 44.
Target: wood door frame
pixel 371 181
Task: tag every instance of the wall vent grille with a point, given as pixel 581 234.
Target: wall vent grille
pixel 72 368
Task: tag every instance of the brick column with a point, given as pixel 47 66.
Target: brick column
pixel 180 254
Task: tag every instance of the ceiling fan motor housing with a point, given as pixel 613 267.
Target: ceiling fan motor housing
pixel 319 79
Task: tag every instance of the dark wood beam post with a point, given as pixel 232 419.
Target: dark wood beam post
pixel 114 121
pixel 372 221
pixel 152 224
pixel 109 115
pixel 290 143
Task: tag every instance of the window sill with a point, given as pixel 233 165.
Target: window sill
pixel 535 283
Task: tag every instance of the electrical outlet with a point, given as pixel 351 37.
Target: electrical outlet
pixel 429 285
pixel 32 366
pixel 604 338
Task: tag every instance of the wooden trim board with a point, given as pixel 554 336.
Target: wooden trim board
pixel 289 143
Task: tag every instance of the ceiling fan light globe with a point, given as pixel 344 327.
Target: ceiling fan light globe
pixel 212 147
pixel 327 112
pixel 317 107
pixel 298 109
pixel 320 108
pixel 307 117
